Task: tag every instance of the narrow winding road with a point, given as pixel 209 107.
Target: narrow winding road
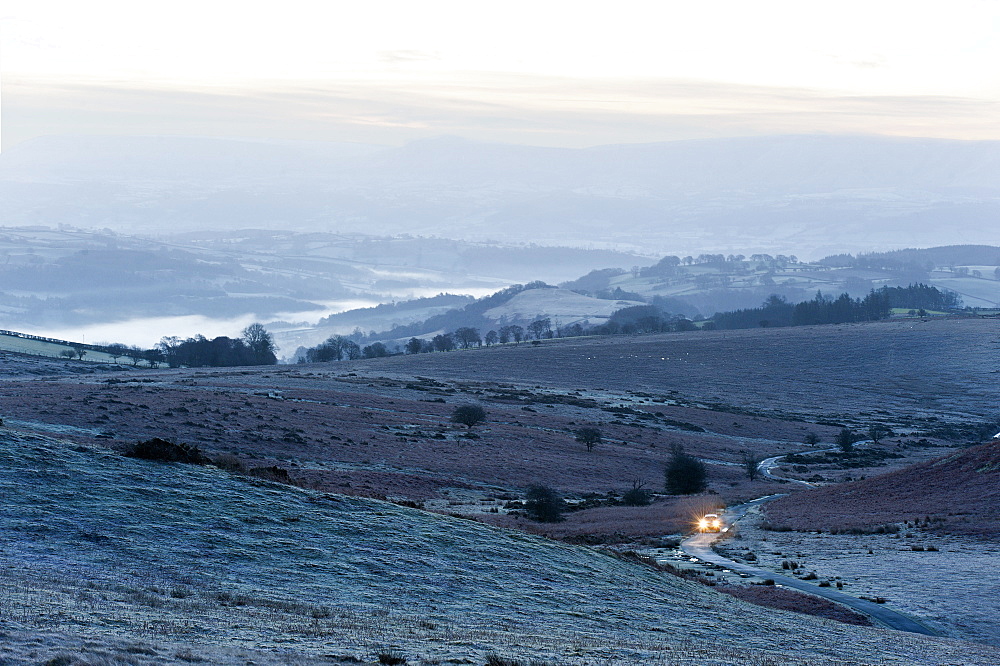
pixel 699 546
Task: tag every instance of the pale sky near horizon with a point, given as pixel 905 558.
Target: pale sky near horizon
pixel 545 73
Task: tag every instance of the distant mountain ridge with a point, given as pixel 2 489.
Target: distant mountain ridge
pixel 811 194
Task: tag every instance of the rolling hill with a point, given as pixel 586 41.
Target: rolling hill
pixel 958 493
pixel 110 558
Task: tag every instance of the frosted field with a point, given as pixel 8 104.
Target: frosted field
pixel 13 343
pixel 104 557
pixel 954 588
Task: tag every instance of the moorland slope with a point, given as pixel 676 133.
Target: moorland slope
pixel 107 559
pixel 957 493
pixel 906 371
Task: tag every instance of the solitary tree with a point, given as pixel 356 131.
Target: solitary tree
pixel 79 351
pixel 877 431
pixel 544 504
pixel 684 474
pixel 590 437
pixel 751 464
pixel 811 439
pixel 491 338
pixel 468 415
pixel 845 440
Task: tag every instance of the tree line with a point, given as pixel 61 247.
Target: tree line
pixel 822 309
pixel 255 346
pixel 643 319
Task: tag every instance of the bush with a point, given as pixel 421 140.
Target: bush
pixel 164 451
pixel 684 474
pixel 272 473
pixel 391 658
pixel 637 495
pixel 544 504
pixel 468 415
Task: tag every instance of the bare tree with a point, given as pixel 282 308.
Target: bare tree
pixel 877 431
pixel 261 344
pixel 352 351
pixel 116 350
pixel 136 354
pixel 637 495
pixel 540 328
pixel 751 464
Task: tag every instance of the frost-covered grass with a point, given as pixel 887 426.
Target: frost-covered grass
pixel 13 343
pixel 560 305
pixel 105 557
pixel 948 581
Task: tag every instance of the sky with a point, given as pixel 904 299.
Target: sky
pixel 551 73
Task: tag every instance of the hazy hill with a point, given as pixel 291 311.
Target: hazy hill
pixel 561 306
pixel 712 283
pixel 55 280
pixel 811 194
pixel 959 493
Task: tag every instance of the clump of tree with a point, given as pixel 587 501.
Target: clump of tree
pixel 845 440
pixel 822 309
pixel 468 415
pixel 254 347
pixel 334 348
pixel 544 504
pixel 589 437
pixel 684 474
pixel 375 350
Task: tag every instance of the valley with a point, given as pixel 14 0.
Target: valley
pixel 380 429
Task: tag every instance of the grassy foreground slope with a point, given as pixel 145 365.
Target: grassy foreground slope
pixel 109 560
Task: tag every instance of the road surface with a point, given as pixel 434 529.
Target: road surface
pixel 700 546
